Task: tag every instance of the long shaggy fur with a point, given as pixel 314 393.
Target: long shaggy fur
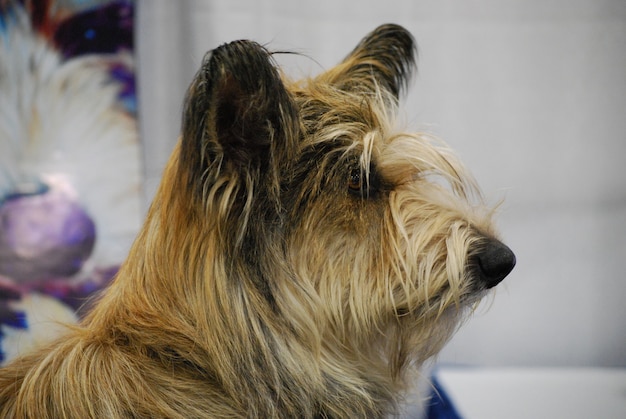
pixel 300 258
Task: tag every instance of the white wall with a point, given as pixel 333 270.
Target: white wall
pixel 532 94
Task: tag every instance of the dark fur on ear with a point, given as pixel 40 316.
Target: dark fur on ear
pixel 384 58
pixel 240 125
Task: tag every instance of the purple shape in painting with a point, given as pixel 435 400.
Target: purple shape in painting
pixel 44 235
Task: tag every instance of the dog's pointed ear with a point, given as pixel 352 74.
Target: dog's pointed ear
pixel 385 58
pixel 239 122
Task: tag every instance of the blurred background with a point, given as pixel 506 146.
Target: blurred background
pixel 531 94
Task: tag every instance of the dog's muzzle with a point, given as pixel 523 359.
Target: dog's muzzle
pixel 493 262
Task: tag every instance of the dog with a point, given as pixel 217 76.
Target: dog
pixel 301 256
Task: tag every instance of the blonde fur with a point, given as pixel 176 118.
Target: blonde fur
pixel 304 273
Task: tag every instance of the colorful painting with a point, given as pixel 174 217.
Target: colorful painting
pixel 70 172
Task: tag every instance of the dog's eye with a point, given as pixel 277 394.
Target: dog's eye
pixel 363 184
pixel 355 184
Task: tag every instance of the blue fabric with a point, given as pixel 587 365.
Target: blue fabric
pixel 440 405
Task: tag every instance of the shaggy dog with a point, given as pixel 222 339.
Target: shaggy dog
pixel 301 256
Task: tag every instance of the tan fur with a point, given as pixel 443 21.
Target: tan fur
pixel 260 286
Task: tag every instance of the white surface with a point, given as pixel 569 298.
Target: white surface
pixel 514 393
pixel 532 94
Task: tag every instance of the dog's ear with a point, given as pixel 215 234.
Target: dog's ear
pixel 239 121
pixel 384 58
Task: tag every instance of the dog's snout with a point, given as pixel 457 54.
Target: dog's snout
pixel 494 262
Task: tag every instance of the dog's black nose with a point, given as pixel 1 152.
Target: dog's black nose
pixel 494 262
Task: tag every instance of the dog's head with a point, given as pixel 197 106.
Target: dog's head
pixel 302 198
